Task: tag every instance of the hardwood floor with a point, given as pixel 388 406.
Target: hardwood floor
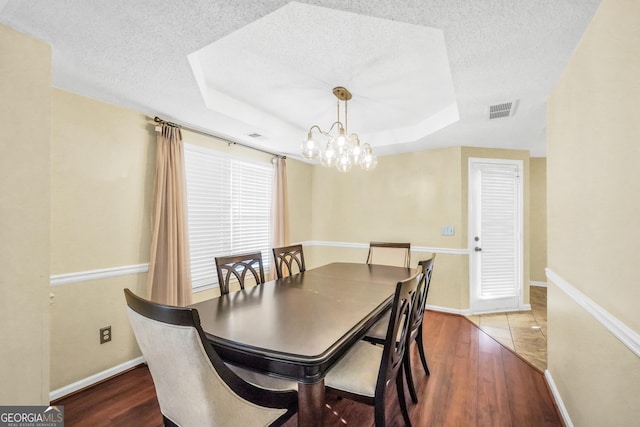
pixel 474 381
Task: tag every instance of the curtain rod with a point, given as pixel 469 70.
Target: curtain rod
pixel 228 141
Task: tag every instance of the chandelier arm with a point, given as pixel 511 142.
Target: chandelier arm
pixel 340 126
pixel 316 127
pixel 326 133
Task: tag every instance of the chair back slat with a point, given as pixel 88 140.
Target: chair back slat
pixel 425 267
pixel 288 260
pixel 238 266
pixel 396 341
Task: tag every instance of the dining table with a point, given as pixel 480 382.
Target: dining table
pixel 297 327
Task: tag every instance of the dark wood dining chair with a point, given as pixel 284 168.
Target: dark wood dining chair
pixel 377 334
pixel 288 260
pixel 193 385
pixel 238 266
pixel 389 253
pixel 364 372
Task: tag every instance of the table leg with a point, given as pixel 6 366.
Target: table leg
pixel 311 404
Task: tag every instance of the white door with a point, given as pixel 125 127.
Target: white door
pixel 495 234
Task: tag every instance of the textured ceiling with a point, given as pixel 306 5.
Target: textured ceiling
pixel 234 68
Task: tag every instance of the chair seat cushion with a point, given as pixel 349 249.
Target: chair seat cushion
pixel 263 381
pixel 378 331
pixel 357 371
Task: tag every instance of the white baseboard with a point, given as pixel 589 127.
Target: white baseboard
pixel 462 312
pixel 558 399
pixel 468 312
pixel 523 307
pixel 540 284
pixel 93 379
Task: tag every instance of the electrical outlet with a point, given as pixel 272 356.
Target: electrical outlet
pixel 105 334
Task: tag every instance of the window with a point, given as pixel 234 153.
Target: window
pixel 228 209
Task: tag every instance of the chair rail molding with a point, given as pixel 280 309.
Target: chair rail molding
pixel 84 276
pixel 451 251
pixel 625 334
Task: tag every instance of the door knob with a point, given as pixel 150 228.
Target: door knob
pixel 477 249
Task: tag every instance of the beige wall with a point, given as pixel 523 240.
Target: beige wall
pixel 538 214
pixel 25 119
pixel 598 377
pixel 593 211
pixel 103 161
pixel 102 166
pixel 299 179
pixel 408 197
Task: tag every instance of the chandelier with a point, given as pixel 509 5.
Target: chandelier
pixel 340 150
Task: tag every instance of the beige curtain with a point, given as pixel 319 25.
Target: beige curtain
pixel 169 279
pixel 279 209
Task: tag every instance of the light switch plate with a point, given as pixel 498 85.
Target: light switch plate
pixel 448 230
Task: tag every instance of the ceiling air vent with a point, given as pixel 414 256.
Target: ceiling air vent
pixel 506 109
pixel 255 135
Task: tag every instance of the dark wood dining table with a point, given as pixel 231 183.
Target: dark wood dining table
pixel 297 327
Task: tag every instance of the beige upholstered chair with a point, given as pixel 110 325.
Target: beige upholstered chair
pixel 193 385
pixel 239 266
pixel 288 260
pixel 388 253
pixel 363 373
pixel 377 333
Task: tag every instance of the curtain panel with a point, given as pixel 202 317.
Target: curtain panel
pixel 169 278
pixel 280 209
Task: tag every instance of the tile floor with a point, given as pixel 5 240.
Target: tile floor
pixel 523 332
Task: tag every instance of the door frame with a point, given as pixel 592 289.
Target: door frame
pixel 473 260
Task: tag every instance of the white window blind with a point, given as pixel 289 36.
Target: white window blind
pixel 499 227
pixel 229 209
